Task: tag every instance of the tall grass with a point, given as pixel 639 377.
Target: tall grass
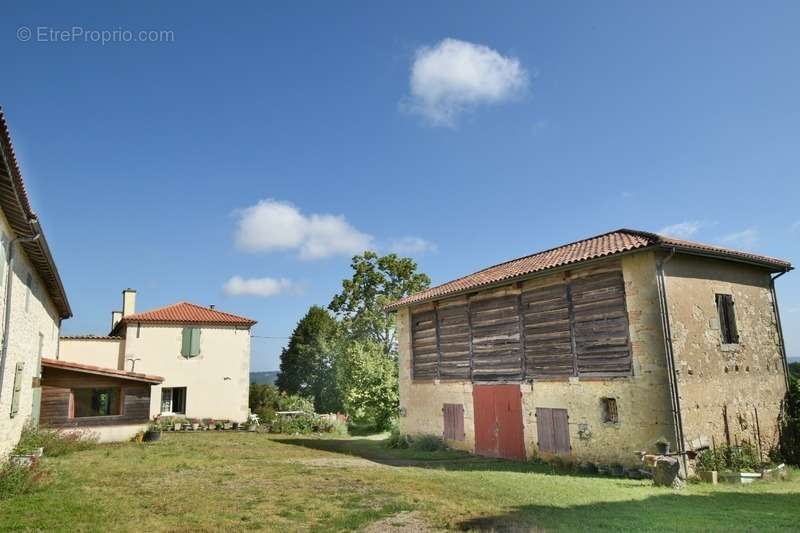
pixel 56 442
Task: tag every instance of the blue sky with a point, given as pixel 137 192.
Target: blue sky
pixel 240 162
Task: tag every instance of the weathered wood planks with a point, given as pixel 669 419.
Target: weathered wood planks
pixel 576 327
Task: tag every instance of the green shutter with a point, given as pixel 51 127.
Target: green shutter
pixel 195 344
pixel 17 392
pixel 186 342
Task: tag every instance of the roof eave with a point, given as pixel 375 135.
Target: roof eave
pixel 514 279
pixel 776 266
pixel 772 267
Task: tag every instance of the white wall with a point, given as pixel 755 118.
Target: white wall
pixel 105 353
pixel 224 353
pixel 26 326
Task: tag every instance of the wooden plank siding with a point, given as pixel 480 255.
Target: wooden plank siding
pixel 496 339
pixel 548 341
pixel 423 342
pixel 574 327
pixel 600 326
pixel 56 408
pixel 454 339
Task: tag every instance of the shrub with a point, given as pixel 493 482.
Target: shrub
pixel 333 426
pixel 428 443
pixel 17 479
pixel 741 458
pixel 396 440
pixel 55 442
pixel 789 446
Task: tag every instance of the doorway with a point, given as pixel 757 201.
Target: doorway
pixel 498 421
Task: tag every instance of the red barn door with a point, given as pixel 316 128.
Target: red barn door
pixel 498 421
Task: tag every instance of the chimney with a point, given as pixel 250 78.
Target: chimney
pixel 128 302
pixel 116 316
pixel 212 306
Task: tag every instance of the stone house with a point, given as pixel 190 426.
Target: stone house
pixel 202 354
pixel 597 349
pixel 32 300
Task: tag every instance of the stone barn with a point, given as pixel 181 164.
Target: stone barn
pixel 596 350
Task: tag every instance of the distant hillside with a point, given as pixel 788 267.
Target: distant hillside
pixel 264 377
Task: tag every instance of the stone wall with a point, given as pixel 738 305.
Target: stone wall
pixel 642 399
pixel 742 379
pixel 33 332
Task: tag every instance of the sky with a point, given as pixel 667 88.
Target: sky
pixel 240 154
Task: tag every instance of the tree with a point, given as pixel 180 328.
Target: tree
pixel 367 380
pixel 307 362
pixel 376 282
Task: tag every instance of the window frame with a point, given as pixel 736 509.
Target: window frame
pixel 172 402
pixel 610 410
pixel 119 403
pixel 726 312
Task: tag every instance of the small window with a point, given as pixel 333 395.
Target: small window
pixel 727 319
pixel 610 413
pixel 96 402
pixel 190 345
pixel 173 400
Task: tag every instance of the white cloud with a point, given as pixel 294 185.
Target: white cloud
pixel 743 239
pixel 681 230
pixel 262 287
pixel 454 76
pixel 412 245
pixel 271 225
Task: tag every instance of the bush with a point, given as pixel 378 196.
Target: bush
pixel 789 446
pixel 17 479
pixel 428 443
pixel 55 442
pixel 396 440
pixel 741 458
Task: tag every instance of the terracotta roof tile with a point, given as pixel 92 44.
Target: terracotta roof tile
pixel 188 313
pixel 607 244
pixel 91 369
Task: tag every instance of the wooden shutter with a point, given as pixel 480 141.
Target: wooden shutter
pixel 600 325
pixel 453 421
pixel 194 347
pixel 727 319
pixel 548 344
pixel 17 390
pixel 552 429
pixel 453 324
pixel 423 345
pixel 496 346
pixel 186 342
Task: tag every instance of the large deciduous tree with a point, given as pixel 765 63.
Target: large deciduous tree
pixel 376 282
pixel 367 380
pixel 307 362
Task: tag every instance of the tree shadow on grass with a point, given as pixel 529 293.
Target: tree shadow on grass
pixel 376 451
pixel 672 511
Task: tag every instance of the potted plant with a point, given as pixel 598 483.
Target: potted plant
pixel 195 424
pixel 218 426
pixel 663 446
pixel 227 425
pixel 153 432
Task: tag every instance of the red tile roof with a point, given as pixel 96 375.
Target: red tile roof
pixel 16 206
pixel 188 313
pixel 605 245
pixel 100 371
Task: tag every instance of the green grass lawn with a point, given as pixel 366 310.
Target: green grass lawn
pixel 244 481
